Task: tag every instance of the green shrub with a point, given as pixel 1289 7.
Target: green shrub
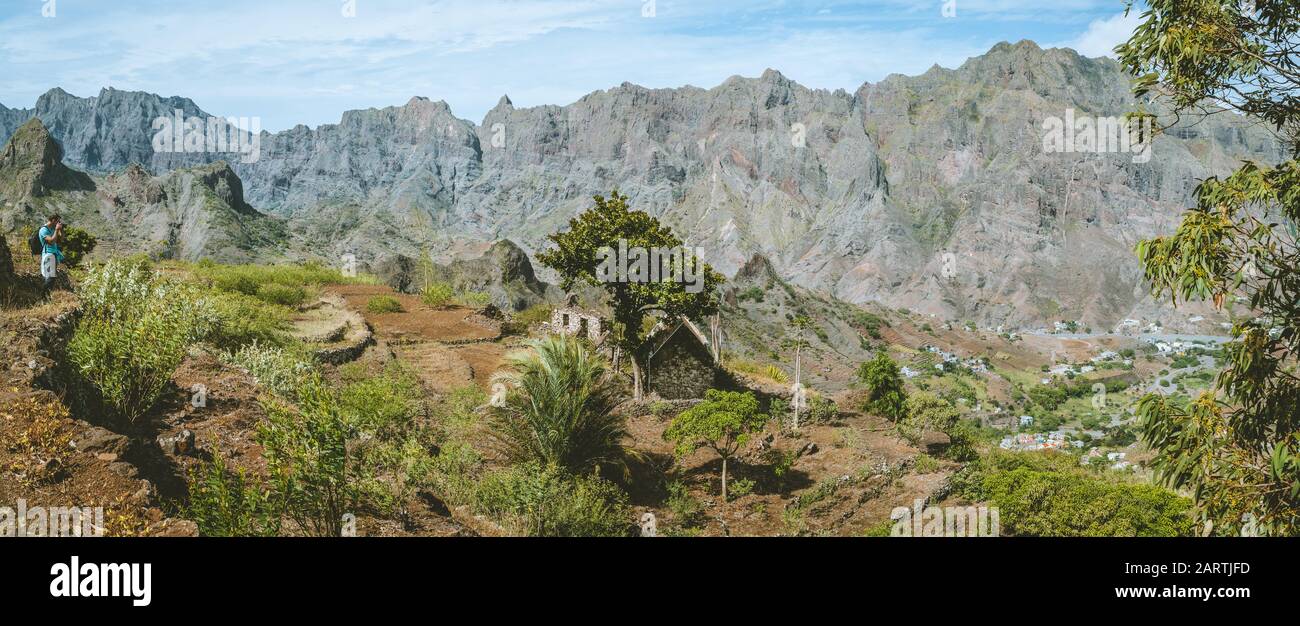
pixel 779 465
pixel 281 370
pixel 383 404
pixel 926 464
pixel 754 293
pixel 963 435
pixel 308 456
pixel 133 334
pixel 437 294
pixel 686 508
pixel 775 373
pixel 539 501
pixel 474 299
pixel 521 322
pixel 283 295
pixel 76 245
pixel 242 320
pixel 884 383
pixel 822 410
pixel 1049 494
pixel 247 279
pixel 230 504
pixel 741 487
pixel 926 412
pixel 384 304
pixel 661 409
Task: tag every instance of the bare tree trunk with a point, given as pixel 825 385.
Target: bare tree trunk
pixel 724 479
pixel 717 337
pixel 794 400
pixel 637 391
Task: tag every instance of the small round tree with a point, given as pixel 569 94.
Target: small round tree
pixel 885 395
pixel 722 423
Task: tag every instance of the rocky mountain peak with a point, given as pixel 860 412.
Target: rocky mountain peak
pixel 31 164
pixel 31 146
pixel 225 184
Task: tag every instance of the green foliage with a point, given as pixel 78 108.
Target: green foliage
pixel 286 285
pixel 578 254
pixel 775 373
pixel 283 295
pixel 545 501
pixel 926 464
pixel 281 370
pixel 822 410
pixel 383 404
pixel 742 487
pixel 926 412
pixel 384 304
pixel 1048 494
pixel 754 294
pixel 559 408
pixel 76 244
pixel 1237 447
pixel 884 383
pixel 723 423
pixel 225 503
pixel 437 294
pixel 243 320
pixel 869 322
pixel 779 465
pixel 687 510
pixel 133 334
pixel 329 453
pixel 473 299
pixel 963 436
pixel 309 459
pixel 1051 397
pixel 521 322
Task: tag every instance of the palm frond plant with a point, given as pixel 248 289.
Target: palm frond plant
pixel 559 408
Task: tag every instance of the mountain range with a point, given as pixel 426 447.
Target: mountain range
pixel 932 192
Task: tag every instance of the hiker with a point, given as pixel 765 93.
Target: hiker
pixel 51 234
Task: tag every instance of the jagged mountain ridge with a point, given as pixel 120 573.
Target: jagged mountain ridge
pixel 864 194
pixel 189 213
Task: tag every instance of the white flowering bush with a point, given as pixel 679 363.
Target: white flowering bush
pixel 134 332
pixel 282 371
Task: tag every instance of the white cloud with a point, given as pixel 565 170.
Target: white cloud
pixel 301 61
pixel 1104 34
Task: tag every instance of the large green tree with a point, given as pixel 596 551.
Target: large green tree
pixel 1237 448
pixel 582 255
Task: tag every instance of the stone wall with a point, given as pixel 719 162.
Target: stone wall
pixel 682 369
pixel 571 321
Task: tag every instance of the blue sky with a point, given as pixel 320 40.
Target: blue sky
pixel 307 61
